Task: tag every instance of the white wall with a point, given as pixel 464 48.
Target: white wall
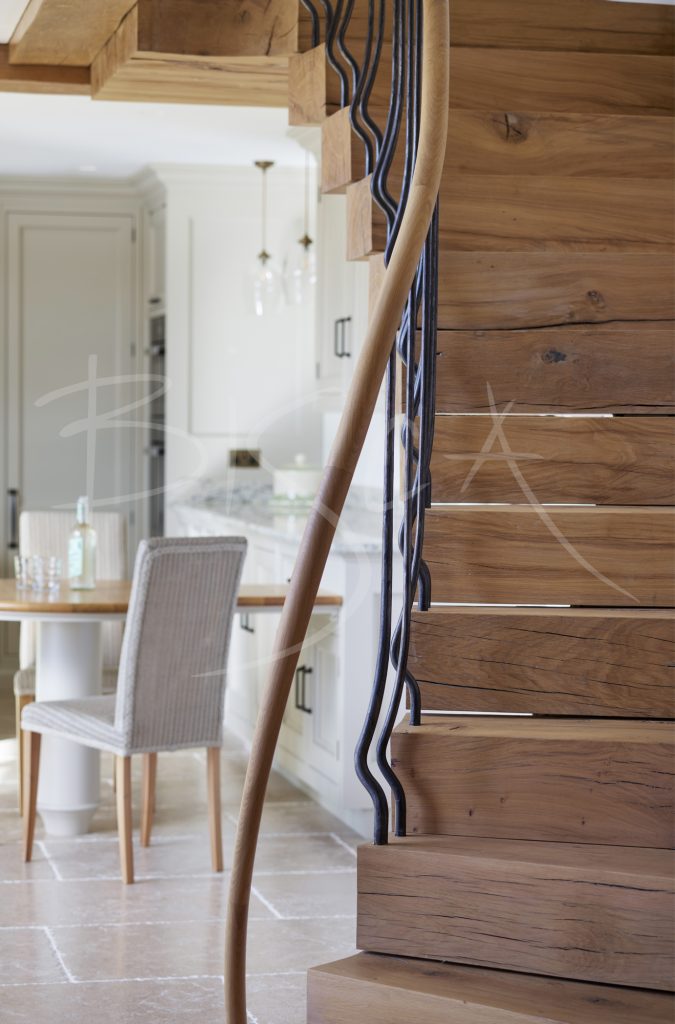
pixel 235 379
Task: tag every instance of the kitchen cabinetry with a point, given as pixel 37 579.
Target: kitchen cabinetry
pixel 342 306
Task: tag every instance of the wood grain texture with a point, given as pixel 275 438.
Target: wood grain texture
pixel 576 25
pixel 579 145
pixel 526 213
pixel 122 71
pixel 627 460
pixel 67 34
pixel 597 368
pixel 484 291
pixel 211 28
pixel 396 990
pixel 312 92
pixel 592 913
pixel 42 78
pixel 342 157
pixel 571 780
pixel 496 554
pixel 503 142
pixel 543 661
pixel 577 83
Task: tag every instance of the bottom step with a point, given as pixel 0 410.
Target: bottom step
pixel 375 989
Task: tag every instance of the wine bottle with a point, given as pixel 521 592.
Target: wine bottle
pixel 82 550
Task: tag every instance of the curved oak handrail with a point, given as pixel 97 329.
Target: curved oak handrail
pixel 323 518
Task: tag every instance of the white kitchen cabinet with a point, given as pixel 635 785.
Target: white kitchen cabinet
pixel 342 300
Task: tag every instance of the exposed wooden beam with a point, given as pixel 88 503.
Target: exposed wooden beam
pixel 68 32
pixel 41 78
pixel 127 69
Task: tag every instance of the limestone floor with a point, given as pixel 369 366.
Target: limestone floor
pixel 77 947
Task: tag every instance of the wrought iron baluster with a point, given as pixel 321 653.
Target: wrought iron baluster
pixel 332 26
pixel 365 775
pixel 420 367
pixel 316 21
pixel 379 188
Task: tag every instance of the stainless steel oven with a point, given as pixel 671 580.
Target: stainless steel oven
pixel 155 450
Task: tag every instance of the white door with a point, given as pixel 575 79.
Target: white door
pixel 71 347
pixel 71 336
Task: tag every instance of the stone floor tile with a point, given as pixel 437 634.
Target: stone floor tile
pixel 27 956
pixel 293 896
pixel 197 1001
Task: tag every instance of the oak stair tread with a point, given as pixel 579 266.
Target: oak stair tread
pixel 590 913
pixel 398 990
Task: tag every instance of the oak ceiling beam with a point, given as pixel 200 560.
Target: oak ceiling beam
pixel 200 51
pixel 41 78
pixel 65 32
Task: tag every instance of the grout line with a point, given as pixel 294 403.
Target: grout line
pixel 45 853
pixel 266 903
pixel 342 843
pixel 176 877
pixel 150 977
pixel 57 954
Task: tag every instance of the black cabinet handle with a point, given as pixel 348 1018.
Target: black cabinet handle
pixel 341 337
pixel 245 623
pixel 13 518
pixel 301 673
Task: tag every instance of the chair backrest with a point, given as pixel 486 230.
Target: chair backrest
pixel 171 682
pixel 47 533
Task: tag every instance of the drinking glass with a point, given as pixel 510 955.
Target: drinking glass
pixel 53 572
pixel 22 572
pixel 38 572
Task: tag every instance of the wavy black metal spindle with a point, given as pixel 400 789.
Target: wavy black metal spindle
pixel 363 124
pixel 369 781
pixel 399 681
pixel 412 78
pixel 379 188
pixel 355 117
pixel 420 409
pixel 369 81
pixel 331 39
pixel 316 21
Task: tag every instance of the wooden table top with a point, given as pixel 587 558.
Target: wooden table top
pixel 112 598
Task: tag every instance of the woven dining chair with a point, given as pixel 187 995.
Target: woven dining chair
pixel 171 684
pixel 47 533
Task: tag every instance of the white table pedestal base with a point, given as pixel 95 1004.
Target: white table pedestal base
pixel 69 665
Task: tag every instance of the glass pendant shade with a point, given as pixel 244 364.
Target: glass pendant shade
pixel 266 280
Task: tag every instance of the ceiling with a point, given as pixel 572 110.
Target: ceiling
pixel 66 135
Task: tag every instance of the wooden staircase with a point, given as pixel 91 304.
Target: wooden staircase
pixel 536 881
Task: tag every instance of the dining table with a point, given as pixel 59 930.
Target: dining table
pixel 69 665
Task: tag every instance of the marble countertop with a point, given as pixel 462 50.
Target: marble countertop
pixel 253 510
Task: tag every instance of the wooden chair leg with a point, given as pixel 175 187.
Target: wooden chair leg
pixel 149 786
pixel 31 745
pixel 123 796
pixel 19 704
pixel 213 783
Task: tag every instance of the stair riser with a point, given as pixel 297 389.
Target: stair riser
pixel 612 928
pixel 482 143
pixel 616 792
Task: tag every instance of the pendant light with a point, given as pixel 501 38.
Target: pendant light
pixel 301 275
pixel 267 288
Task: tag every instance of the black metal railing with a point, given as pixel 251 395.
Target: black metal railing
pixel 385 146
pixel 416 347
